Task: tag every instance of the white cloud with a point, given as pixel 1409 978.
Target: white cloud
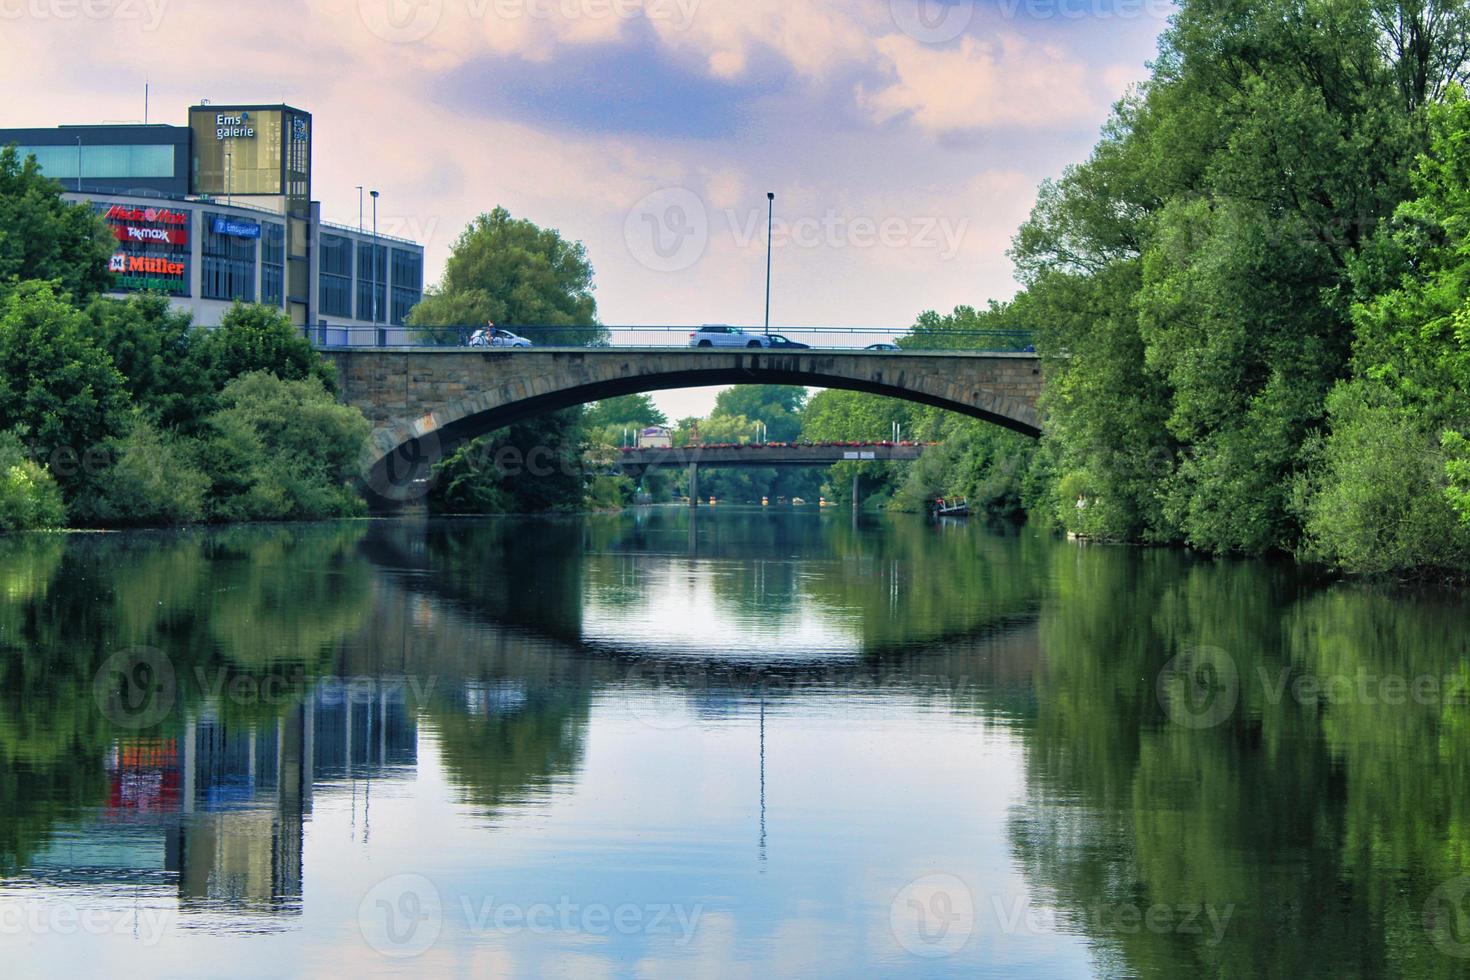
pixel 1008 81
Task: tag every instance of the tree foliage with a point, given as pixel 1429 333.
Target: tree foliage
pixel 1192 282
pixel 59 391
pixel 282 450
pixel 510 271
pixel 29 497
pixel 43 237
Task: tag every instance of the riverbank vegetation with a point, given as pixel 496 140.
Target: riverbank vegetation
pixel 116 413
pixel 1252 299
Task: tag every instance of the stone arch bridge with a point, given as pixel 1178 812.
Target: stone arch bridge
pixel 424 402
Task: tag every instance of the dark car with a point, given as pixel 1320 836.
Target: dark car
pixel 883 347
pixel 779 342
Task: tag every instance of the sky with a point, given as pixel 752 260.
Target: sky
pixel 904 139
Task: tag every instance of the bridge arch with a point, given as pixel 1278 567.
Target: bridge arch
pixel 434 400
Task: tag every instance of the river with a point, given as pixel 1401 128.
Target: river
pixel 743 743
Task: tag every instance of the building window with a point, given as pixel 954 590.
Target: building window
pixel 229 265
pixel 372 277
pixel 273 264
pixel 103 162
pixel 408 282
pixel 335 279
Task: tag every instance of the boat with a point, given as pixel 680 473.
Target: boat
pixel 952 507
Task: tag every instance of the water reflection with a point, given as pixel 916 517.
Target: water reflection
pixel 217 811
pixel 831 748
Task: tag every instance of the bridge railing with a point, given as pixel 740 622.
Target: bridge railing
pixel 331 337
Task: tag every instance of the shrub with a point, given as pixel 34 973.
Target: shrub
pixel 154 481
pixel 260 338
pixel 608 492
pixel 58 389
pixel 29 497
pixel 1374 500
pixel 282 450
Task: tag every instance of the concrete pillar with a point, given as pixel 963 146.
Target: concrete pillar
pixel 693 484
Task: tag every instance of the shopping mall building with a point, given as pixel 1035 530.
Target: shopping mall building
pixel 221 210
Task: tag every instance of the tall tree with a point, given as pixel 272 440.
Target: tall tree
pixel 44 237
pixel 1191 281
pixel 59 391
pixel 521 276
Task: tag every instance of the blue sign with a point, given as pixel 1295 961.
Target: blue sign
pixel 236 228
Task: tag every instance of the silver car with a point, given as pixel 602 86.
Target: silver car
pixel 497 338
pixel 722 335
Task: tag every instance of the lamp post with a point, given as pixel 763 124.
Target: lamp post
pixel 374 259
pixel 229 177
pixel 770 224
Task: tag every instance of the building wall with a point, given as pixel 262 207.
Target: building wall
pixel 105 168
pixel 208 311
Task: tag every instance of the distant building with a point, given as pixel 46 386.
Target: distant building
pixel 221 210
pixel 656 437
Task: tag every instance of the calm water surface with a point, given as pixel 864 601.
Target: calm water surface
pixel 748 744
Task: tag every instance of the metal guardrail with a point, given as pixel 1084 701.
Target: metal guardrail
pixel 825 338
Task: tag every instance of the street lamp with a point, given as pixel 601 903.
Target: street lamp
pixel 229 178
pixel 770 224
pixel 374 259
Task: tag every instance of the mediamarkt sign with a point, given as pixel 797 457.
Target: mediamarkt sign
pixel 152 216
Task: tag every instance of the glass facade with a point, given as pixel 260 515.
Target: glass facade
pixel 372 277
pixel 335 288
pixel 237 151
pixel 103 162
pixel 273 264
pixel 408 282
pixel 228 264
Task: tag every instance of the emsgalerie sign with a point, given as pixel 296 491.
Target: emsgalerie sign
pixel 228 127
pixel 236 227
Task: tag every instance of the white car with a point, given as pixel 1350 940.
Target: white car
pixel 720 335
pixel 497 338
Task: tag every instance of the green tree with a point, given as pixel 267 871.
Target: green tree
pixel 1191 281
pixel 253 338
pixel 778 407
pixel 58 390
pixel 1387 491
pixel 153 481
pixel 627 410
pixel 29 497
pixel 161 355
pixel 607 422
pixel 521 276
pixel 282 450
pixel 42 237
